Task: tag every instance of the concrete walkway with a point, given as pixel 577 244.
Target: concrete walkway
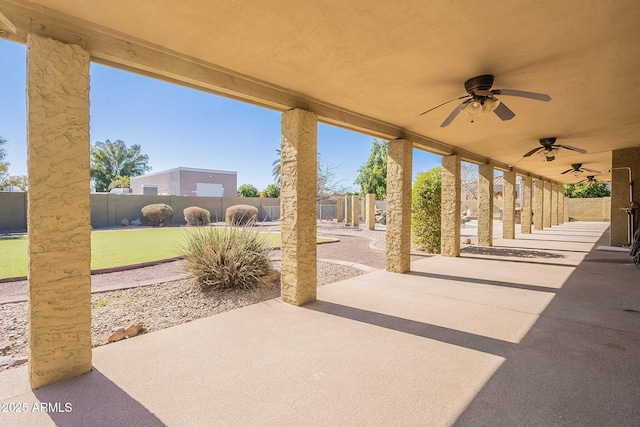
pixel 541 330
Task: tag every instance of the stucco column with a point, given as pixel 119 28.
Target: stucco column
pixel 355 211
pixel 347 210
pixel 485 205
pixel 538 209
pixel 566 209
pixel 398 247
pixel 621 160
pixel 59 214
pixel 546 207
pixel 554 204
pixel 560 204
pixel 525 217
pixel 451 193
pixel 339 214
pixel 509 206
pixel 298 178
pixel 370 212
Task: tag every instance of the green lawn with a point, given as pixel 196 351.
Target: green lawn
pixel 111 248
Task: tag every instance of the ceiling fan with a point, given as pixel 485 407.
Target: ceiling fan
pixel 481 98
pixel 577 169
pixel 550 148
pixel 589 180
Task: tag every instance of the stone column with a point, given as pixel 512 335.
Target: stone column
pixel 509 206
pixel 525 217
pixel 339 213
pixel 347 210
pixel 620 194
pixel 370 217
pixel 398 247
pixel 554 204
pixel 561 204
pixel 451 193
pixel 299 166
pixel 538 213
pixel 546 208
pixel 355 211
pixel 59 214
pixel 485 205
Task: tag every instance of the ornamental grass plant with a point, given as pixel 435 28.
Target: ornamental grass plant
pixel 225 259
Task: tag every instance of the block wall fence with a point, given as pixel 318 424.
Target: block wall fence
pixel 108 210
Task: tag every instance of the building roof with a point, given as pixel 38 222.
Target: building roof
pixel 180 169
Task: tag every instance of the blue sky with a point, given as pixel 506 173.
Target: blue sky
pixel 177 126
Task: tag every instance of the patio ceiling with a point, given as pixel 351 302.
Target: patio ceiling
pixel 374 66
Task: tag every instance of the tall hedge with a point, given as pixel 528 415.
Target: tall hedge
pixel 426 203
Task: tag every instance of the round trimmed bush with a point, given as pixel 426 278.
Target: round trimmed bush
pixel 195 215
pixel 227 258
pixel 241 215
pixel 157 214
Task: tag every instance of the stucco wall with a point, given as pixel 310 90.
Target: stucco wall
pixel 590 209
pixel 183 182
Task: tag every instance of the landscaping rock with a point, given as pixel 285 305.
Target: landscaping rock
pixel 9 361
pixel 117 335
pixel 136 222
pixel 467 241
pixel 133 329
pixel 124 222
pixel 4 346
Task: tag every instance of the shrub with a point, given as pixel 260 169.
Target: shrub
pixel 157 214
pixel 426 204
pixel 226 258
pixel 194 215
pixel 241 215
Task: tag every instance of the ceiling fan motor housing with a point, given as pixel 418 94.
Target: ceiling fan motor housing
pixel 547 142
pixel 478 83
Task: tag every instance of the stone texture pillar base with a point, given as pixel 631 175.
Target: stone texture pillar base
pixel 509 206
pixel 525 217
pixel 59 214
pixel 485 205
pixel 451 193
pixel 398 245
pixel 299 165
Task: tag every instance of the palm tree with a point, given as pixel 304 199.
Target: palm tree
pixel 120 182
pixel 276 168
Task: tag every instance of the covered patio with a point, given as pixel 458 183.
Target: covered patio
pixel 544 333
pixel 534 327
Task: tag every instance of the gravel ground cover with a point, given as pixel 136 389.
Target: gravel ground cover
pixel 155 307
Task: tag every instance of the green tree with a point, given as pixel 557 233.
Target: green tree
pixel 4 165
pixel 425 210
pixel 271 192
pixel 586 190
pixel 248 190
pixel 372 175
pixel 19 181
pixel 112 159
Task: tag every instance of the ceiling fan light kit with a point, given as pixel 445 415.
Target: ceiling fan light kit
pixel 481 99
pixel 550 148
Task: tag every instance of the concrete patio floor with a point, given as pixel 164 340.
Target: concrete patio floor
pixel 541 330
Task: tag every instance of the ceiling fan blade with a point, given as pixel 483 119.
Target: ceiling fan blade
pixel 523 94
pixel 504 112
pixel 567 171
pixel 568 147
pixel 444 103
pixel 580 182
pixel 453 114
pixel 591 170
pixel 535 150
